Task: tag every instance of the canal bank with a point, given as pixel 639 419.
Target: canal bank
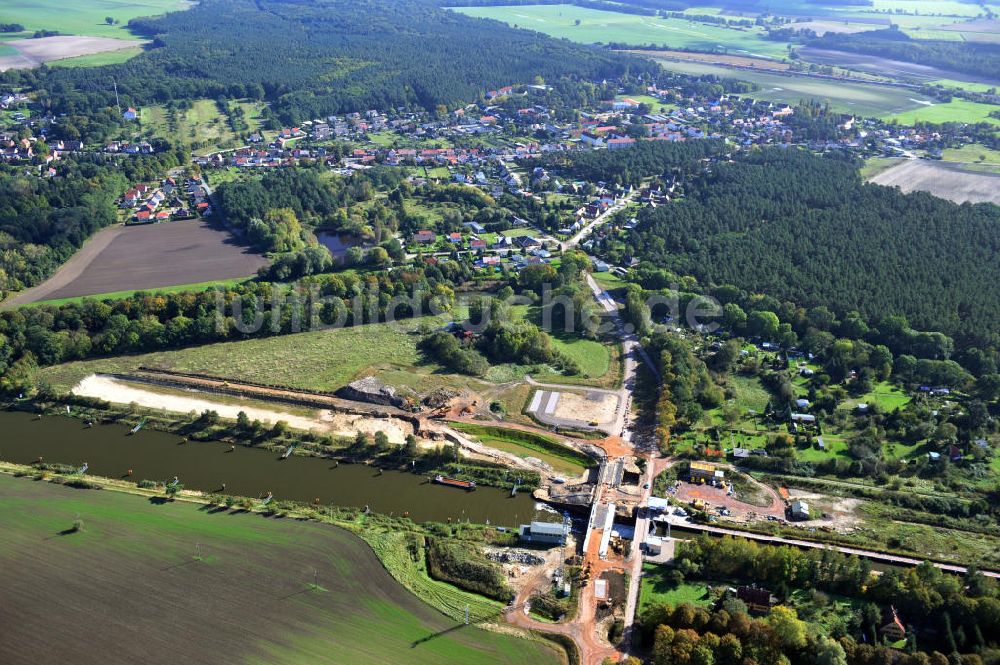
pixel 216 467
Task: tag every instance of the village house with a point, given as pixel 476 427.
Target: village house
pixel 424 236
pixel 757 600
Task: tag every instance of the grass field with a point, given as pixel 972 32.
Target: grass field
pixel 324 360
pixel 875 165
pixel 957 110
pixel 657 588
pixel 118 295
pixel 144 578
pixel 861 98
pixel 593 357
pixel 748 393
pixel 84 18
pixel 203 126
pixel 563 459
pixel 965 85
pixel 99 59
pixel 605 27
pixel 972 154
pixel 886 395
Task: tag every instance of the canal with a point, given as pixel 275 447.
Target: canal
pixel 111 452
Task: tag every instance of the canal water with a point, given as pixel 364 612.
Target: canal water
pixel 111 452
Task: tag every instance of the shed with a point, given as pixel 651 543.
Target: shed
pixel 800 510
pixel 545 533
pixel 656 504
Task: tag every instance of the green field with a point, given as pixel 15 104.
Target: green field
pixel 211 586
pixel 604 27
pixel 593 357
pixel 875 165
pixel 749 393
pixel 972 154
pixel 957 110
pixel 84 18
pixel 964 85
pixel 324 360
pixel 888 397
pixel 118 295
pixel 656 588
pixel 861 98
pixel 99 59
pixel 563 459
pixel 320 360
pixel 203 126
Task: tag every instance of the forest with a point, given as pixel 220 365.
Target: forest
pixel 43 221
pixel 805 228
pixel 31 337
pixel 311 59
pixel 979 59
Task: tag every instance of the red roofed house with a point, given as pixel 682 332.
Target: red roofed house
pixel 619 143
pixel 424 236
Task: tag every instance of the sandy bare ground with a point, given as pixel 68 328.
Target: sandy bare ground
pixel 944 179
pixel 33 52
pixel 340 424
pixel 599 407
pixel 125 258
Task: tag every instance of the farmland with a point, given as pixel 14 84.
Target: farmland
pixel 84 18
pixel 99 59
pixel 29 53
pixel 147 257
pixel 605 27
pixel 145 578
pixel 862 98
pixel 947 180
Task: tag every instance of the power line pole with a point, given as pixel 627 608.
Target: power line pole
pixel 117 103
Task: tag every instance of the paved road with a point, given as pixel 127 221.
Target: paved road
pixel 597 221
